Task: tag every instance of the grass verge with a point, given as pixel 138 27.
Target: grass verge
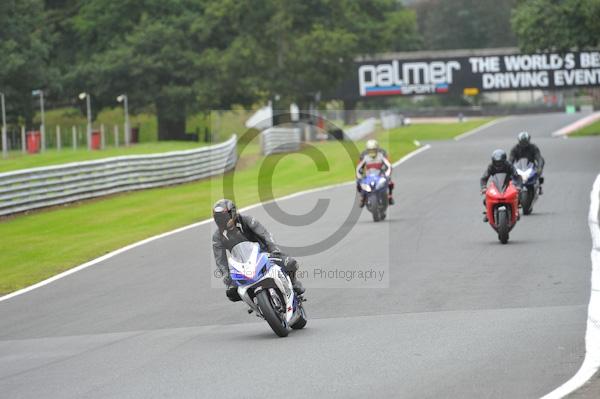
pixel 36 246
pixel 590 130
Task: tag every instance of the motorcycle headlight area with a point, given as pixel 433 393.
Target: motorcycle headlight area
pixel 247 271
pixel 365 187
pixel 525 174
pixel 380 183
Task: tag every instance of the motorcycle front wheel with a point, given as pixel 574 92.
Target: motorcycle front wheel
pixel 301 322
pixel 503 226
pixel 276 322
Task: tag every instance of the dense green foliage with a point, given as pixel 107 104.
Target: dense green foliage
pixel 557 25
pixel 176 58
pixel 25 48
pixel 465 24
pixel 181 56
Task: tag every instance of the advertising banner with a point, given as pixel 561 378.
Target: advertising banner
pixel 473 74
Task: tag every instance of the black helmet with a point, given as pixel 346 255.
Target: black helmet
pixel 498 157
pixel 524 138
pixel 224 214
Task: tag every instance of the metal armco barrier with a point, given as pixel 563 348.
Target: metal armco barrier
pixel 277 139
pixel 391 120
pixel 361 130
pixel 28 189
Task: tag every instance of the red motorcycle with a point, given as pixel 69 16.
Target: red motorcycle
pixel 502 205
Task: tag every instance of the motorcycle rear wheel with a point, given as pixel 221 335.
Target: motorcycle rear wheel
pixel 277 324
pixel 376 217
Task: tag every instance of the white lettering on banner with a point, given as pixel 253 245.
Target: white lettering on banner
pixel 577 77
pixel 590 60
pixel 384 75
pixel 570 61
pixel 535 62
pixel 365 71
pixel 405 79
pixel 509 80
pixel 418 89
pixel 485 64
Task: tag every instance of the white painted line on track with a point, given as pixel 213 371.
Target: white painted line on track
pixel 591 363
pixel 184 228
pixel 480 128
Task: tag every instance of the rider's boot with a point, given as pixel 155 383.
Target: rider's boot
pixel 390 199
pixel 297 285
pixel 362 201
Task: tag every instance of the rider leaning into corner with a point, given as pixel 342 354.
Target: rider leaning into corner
pixel 526 149
pixel 499 164
pixel 234 228
pixel 374 157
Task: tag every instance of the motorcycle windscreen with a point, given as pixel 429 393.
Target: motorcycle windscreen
pixel 245 251
pixel 500 180
pixel 523 164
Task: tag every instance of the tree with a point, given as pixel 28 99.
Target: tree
pixel 557 25
pixel 465 24
pixel 164 53
pixel 182 56
pixel 25 50
pixel 304 48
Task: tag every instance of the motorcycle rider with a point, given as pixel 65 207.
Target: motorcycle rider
pixel 499 164
pixel 526 149
pixel 234 228
pixel 374 157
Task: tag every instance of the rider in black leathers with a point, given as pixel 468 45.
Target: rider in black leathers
pixel 499 164
pixel 526 149
pixel 234 228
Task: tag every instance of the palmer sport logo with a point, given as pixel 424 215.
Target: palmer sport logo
pixel 404 79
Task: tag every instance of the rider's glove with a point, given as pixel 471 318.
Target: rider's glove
pixel 232 294
pixel 227 280
pixel 483 190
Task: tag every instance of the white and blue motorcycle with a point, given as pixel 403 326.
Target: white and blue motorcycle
pixel 531 183
pixel 266 288
pixel 375 186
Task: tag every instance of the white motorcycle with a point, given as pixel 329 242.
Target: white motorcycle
pixel 531 183
pixel 266 288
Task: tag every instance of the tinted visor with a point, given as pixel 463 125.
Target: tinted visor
pixel 372 153
pixel 498 163
pixel 222 218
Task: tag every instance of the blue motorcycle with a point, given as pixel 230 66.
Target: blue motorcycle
pixel 531 183
pixel 375 186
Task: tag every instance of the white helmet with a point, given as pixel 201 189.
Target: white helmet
pixel 372 145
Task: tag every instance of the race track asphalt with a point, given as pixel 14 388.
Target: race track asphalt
pixel 442 309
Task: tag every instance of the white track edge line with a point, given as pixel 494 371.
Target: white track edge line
pixel 480 128
pixel 591 362
pixel 184 228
